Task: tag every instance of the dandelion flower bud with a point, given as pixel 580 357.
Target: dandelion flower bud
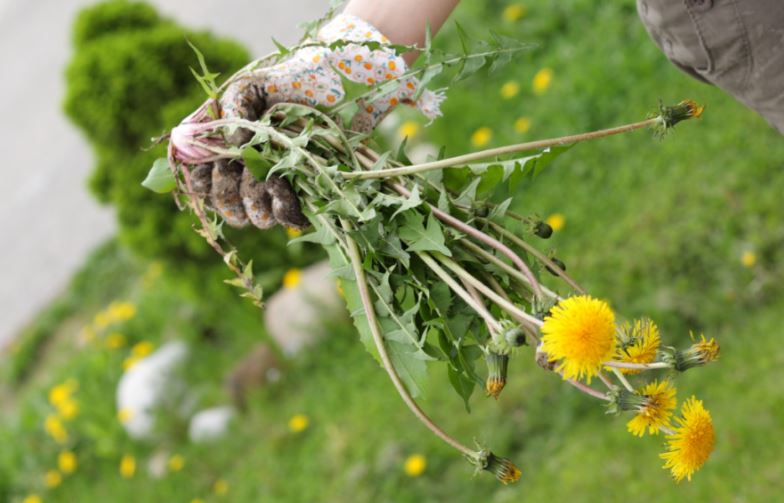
pixel 700 353
pixel 543 229
pixel 497 365
pixel 503 469
pixel 558 264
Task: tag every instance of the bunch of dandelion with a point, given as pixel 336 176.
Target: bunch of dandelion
pixel 398 232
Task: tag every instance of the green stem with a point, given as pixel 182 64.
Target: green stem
pixel 462 160
pixel 364 293
pixel 623 380
pixel 637 366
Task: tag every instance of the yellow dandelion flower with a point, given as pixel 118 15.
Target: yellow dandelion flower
pixel 176 463
pixel 52 479
pixel 68 410
pixel 292 233
pixel 124 415
pixel 481 137
pixel 514 12
pixel 408 129
pixel 692 441
pixel 580 332
pixel 220 487
pixel 142 349
pixel 32 498
pixel 298 423
pixel 639 344
pixel 522 125
pixel 115 340
pixel 657 401
pixel 121 311
pixel 557 221
pixel 542 80
pixel 54 427
pixel 415 465
pixel 66 462
pixel 63 392
pixel 130 362
pixel 101 320
pixel 510 89
pixel 748 259
pixel 292 278
pixel 127 466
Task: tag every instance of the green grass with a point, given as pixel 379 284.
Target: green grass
pixel 657 227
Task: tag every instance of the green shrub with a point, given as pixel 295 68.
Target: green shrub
pixel 128 81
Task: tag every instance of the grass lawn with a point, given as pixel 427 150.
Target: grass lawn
pixel 660 228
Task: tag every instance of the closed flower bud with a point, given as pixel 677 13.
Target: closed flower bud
pixel 497 366
pixel 503 469
pixel 543 230
pixel 558 264
pixel 700 353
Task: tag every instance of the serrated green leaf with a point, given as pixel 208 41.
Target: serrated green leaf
pixel 419 238
pixel 462 385
pixel 256 163
pixel 412 370
pixel 160 178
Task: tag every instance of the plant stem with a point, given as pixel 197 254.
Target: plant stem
pixel 480 236
pixel 637 366
pixel 507 306
pixel 359 273
pixel 462 160
pixel 623 380
pixel 446 278
pixel 506 267
pixel 588 390
pixel 536 253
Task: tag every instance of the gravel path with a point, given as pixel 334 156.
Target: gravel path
pixel 48 220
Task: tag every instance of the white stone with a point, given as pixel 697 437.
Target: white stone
pixel 210 424
pixel 145 384
pixel 294 317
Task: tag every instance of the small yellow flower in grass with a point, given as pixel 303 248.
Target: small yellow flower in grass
pixel 341 291
pixel 514 12
pixel 115 340
pixel 124 415
pixel 32 498
pixel 557 221
pixel 692 441
pixel 127 466
pixel 130 362
pixel 298 423
pixel 415 465
pixel 197 500
pixel 63 392
pixel 52 479
pixel 220 487
pixel 66 462
pixel 121 311
pixel 638 343
pixel 656 401
pixel 408 129
pixel 54 427
pixel 580 332
pixel 510 89
pixel 542 80
pixel 68 410
pixel 748 259
pixel 101 320
pixel 522 125
pixel 292 278
pixel 292 233
pixel 176 463
pixel 142 349
pixel 481 137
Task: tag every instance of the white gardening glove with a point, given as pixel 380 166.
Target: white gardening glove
pixel 310 77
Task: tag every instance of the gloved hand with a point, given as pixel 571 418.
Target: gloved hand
pixel 310 76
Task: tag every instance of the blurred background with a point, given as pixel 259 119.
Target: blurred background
pixel 130 372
